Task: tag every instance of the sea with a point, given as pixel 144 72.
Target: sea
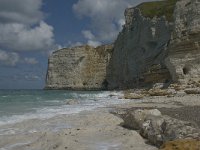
pixel 21 105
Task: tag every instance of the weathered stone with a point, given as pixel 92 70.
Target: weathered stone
pixel 193 84
pixel 81 67
pixel 177 87
pixel 139 51
pixel 152 129
pixel 133 96
pixel 159 129
pixel 182 144
pixel 184 49
pixel 192 91
pixel 135 119
pixel 146 46
pixel 159 92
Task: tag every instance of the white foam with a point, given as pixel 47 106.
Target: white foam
pixel 14 145
pixel 4 96
pixel 91 102
pixel 8 131
pixel 92 95
pixel 44 113
pixel 53 101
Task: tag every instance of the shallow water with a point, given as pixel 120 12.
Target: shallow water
pixel 21 105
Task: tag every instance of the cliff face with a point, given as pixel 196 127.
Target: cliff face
pixel 81 67
pixel 183 60
pixel 139 51
pixel 160 42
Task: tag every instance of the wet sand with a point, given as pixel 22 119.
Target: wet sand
pixel 94 130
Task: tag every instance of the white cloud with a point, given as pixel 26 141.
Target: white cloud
pixel 20 11
pixel 121 22
pixel 94 43
pixel 31 61
pixel 20 37
pixel 107 17
pixel 88 34
pixel 76 44
pixel 91 38
pixel 73 44
pixel 22 26
pixel 9 58
pixel 12 59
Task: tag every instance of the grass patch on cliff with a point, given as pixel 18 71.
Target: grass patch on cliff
pixel 158 8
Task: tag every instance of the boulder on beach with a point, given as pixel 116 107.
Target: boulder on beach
pixel 72 102
pixel 135 119
pixel 158 128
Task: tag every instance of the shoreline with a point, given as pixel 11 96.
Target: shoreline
pixel 97 129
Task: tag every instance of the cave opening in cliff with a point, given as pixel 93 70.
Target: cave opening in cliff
pixel 105 84
pixel 185 70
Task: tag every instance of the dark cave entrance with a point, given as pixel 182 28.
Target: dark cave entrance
pixel 186 70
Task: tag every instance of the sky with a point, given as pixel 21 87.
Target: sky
pixel 30 30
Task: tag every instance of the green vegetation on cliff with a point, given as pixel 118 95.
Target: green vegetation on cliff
pixel 158 8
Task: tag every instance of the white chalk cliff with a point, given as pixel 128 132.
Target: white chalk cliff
pixel 183 59
pixel 82 67
pixel 151 48
pixel 140 47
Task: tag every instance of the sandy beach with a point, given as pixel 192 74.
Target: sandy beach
pixel 95 130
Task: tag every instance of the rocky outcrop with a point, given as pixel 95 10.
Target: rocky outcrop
pixel 161 129
pixel 183 59
pixel 78 68
pixel 135 119
pixel 139 51
pixel 158 128
pixel 155 49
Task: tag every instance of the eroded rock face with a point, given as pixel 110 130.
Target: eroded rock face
pixel 158 128
pixel 147 51
pixel 81 67
pixel 139 51
pixel 183 60
pixel 135 119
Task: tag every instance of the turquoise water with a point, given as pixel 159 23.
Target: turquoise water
pixel 20 105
